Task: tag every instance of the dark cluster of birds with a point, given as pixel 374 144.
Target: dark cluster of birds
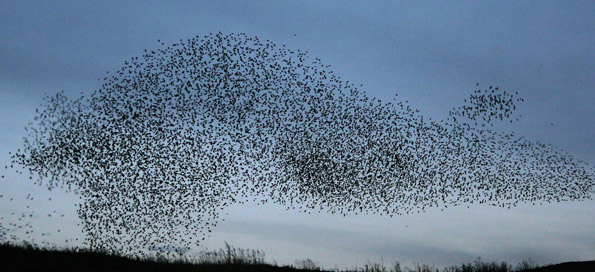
pixel 181 132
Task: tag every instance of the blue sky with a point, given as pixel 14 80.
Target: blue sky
pixel 430 53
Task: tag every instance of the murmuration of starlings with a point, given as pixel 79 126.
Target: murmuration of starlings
pixel 179 133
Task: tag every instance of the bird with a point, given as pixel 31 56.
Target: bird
pixel 182 132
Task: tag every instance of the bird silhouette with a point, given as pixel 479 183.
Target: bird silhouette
pixel 180 133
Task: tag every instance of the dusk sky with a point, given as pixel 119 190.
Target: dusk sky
pixel 430 53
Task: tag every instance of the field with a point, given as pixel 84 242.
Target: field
pixel 30 258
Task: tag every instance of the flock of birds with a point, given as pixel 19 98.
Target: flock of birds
pixel 181 132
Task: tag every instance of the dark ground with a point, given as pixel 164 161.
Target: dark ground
pixel 567 267
pixel 16 258
pixel 22 259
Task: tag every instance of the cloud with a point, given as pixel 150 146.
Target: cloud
pixel 349 241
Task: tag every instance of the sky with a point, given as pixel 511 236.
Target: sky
pixel 430 53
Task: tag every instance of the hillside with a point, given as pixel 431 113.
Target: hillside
pixel 18 258
pixel 28 259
